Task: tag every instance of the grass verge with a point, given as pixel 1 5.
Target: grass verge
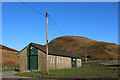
pixel 68 73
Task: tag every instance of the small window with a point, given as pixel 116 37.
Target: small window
pixel 67 60
pixel 62 60
pixel 51 59
pixel 57 60
pixel 78 61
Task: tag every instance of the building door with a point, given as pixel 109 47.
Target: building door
pixel 33 62
pixel 73 62
pixel 33 58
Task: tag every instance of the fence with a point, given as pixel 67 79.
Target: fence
pixel 101 63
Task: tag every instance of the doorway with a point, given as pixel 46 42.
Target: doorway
pixel 73 62
pixel 32 58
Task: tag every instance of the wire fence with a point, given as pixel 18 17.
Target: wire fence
pixel 101 64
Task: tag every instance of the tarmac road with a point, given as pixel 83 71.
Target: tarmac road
pixel 10 75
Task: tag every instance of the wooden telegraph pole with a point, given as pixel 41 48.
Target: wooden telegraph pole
pixel 86 61
pixel 47 71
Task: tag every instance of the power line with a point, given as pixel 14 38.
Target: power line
pixel 56 25
pixel 43 15
pixel 32 8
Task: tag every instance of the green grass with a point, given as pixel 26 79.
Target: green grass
pixel 68 73
pixel 86 70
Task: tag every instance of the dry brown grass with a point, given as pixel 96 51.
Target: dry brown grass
pixel 69 45
pixel 78 46
pixel 8 56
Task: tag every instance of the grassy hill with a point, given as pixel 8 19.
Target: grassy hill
pixel 80 46
pixel 8 56
pixel 69 45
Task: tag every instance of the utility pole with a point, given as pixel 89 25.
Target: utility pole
pixel 47 71
pixel 86 57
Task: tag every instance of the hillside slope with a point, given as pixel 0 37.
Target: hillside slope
pixel 8 56
pixel 80 46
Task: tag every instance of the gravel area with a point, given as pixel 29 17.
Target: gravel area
pixel 11 74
